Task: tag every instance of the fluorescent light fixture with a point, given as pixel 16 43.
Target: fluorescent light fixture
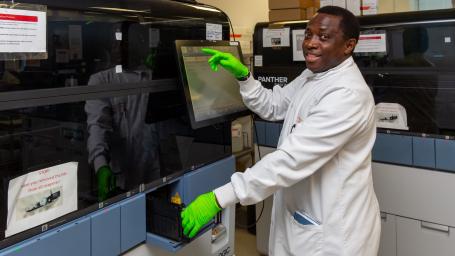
pixel 118 9
pixel 204 8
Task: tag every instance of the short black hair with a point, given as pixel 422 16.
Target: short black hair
pixel 349 23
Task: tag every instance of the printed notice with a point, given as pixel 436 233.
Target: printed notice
pixel 214 31
pixel 369 7
pixel 298 36
pixel 41 196
pixel 276 37
pixel 371 43
pixel 391 116
pixel 22 31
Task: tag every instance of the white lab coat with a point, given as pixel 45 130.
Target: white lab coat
pixel 322 165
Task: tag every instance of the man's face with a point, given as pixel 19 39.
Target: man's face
pixel 324 46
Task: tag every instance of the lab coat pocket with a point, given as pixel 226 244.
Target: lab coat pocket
pixel 305 239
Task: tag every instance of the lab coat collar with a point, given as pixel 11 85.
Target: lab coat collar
pixel 343 65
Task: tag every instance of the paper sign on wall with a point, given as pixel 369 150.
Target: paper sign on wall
pixel 214 31
pixel 371 43
pixel 41 196
pixel 298 36
pixel 276 37
pixel 369 7
pixel 22 31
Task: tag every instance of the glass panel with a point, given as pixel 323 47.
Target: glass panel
pixel 418 72
pixel 140 138
pixel 81 43
pixel 109 132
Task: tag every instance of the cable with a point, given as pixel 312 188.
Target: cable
pixel 257 220
pixel 263 202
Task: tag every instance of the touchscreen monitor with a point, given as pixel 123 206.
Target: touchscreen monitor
pixel 212 96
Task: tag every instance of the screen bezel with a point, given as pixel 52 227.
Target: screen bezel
pixel 184 82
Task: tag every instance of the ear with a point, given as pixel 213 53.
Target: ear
pixel 349 46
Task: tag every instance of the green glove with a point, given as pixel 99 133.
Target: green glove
pixel 106 182
pixel 199 213
pixel 227 61
pixel 150 59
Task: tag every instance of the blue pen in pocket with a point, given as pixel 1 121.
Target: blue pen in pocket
pixel 305 219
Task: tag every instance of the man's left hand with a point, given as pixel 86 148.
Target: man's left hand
pixel 199 213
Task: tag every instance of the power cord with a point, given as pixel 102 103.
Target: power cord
pixel 263 202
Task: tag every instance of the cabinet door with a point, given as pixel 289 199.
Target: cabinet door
pixel 418 238
pixel 132 225
pixel 415 193
pixel 106 232
pixel 388 245
pixel 57 242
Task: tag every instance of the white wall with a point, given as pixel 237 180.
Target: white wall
pixel 244 15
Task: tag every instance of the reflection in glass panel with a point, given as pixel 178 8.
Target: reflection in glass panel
pixel 113 133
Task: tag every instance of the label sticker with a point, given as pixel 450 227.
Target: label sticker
pixel 118 36
pixel 118 69
pixel 258 60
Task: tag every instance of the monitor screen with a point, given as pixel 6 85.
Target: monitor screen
pixel 212 97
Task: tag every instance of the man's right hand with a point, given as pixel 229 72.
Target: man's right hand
pixel 106 182
pixel 227 61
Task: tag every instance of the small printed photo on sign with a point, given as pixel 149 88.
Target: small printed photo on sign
pixel 39 202
pixel 276 41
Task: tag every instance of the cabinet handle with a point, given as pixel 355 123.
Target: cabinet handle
pixel 384 216
pixel 435 227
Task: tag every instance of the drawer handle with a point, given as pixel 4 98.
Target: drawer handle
pixel 384 216
pixel 436 227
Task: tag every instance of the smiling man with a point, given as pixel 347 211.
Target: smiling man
pixel 320 174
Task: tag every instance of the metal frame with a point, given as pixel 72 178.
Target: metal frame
pixel 52 96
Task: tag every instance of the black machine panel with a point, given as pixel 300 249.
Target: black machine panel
pixel 115 101
pixel 276 66
pixel 148 29
pixel 417 70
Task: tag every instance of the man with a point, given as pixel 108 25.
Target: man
pixel 320 174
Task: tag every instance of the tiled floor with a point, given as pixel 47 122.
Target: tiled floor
pixel 245 243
